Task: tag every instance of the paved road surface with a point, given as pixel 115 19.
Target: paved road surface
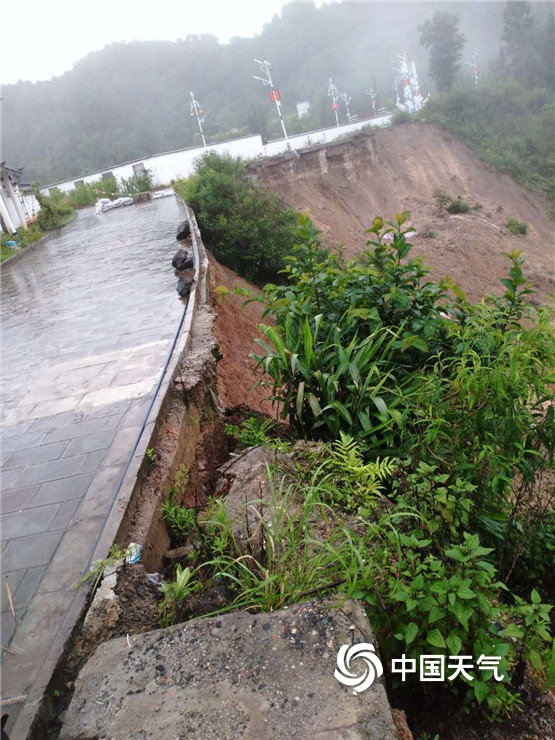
pixel 87 321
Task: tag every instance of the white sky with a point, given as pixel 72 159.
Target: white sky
pixel 44 38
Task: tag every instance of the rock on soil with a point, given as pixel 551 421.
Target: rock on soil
pixel 238 675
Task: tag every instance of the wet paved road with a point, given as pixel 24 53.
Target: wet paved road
pixel 87 321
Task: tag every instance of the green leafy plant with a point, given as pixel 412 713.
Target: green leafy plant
pixel 253 432
pixel 180 520
pixel 550 675
pixel 181 479
pixel 446 606
pixel 175 592
pixel 150 457
pixel 530 627
pixel 96 571
pixel 352 484
pixel 351 371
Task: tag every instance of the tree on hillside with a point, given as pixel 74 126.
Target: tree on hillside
pixel 442 37
pixel 528 48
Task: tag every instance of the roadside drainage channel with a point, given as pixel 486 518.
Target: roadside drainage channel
pixel 35 717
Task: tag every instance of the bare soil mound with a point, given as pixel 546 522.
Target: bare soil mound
pixel 346 184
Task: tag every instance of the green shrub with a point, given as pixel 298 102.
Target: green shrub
pixel 348 336
pixel 247 227
pixel 84 194
pixel 137 183
pixel 444 201
pixel 401 116
pixel 458 205
pixel 517 227
pixel 52 212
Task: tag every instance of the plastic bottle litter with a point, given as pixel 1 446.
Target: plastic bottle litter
pixel 155 579
pixel 133 553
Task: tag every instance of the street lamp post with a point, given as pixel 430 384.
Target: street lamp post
pixel 275 95
pixel 196 111
pixel 332 93
pixel 346 99
pixel 373 94
pixel 474 66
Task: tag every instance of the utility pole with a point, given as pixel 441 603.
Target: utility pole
pixel 474 66
pixel 275 96
pixel 346 100
pixel 373 94
pixel 332 93
pixel 196 111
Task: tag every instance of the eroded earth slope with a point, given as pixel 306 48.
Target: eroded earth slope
pixel 346 184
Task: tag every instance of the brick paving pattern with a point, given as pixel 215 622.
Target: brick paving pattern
pixel 87 321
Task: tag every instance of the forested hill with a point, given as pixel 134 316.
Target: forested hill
pixel 132 100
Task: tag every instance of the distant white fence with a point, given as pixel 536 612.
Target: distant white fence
pixel 172 166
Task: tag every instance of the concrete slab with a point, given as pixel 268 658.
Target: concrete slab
pixel 260 677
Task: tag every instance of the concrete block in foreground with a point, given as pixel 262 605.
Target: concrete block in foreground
pixel 239 675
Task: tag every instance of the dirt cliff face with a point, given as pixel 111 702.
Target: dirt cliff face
pixel 346 184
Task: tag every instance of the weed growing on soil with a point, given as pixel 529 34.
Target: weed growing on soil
pixel 97 569
pixel 517 227
pixel 150 457
pixel 446 202
pixel 175 592
pixel 299 548
pixel 180 521
pixel 253 432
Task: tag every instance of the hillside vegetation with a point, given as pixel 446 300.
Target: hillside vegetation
pixel 435 426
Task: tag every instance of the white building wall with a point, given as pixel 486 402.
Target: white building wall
pixel 31 203
pixel 180 164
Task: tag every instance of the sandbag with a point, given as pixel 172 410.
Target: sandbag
pixel 182 260
pixel 183 287
pixel 183 230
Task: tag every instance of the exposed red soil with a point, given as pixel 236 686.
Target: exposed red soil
pixel 346 184
pixel 236 329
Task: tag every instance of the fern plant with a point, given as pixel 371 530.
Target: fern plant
pixel 253 432
pixel 355 485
